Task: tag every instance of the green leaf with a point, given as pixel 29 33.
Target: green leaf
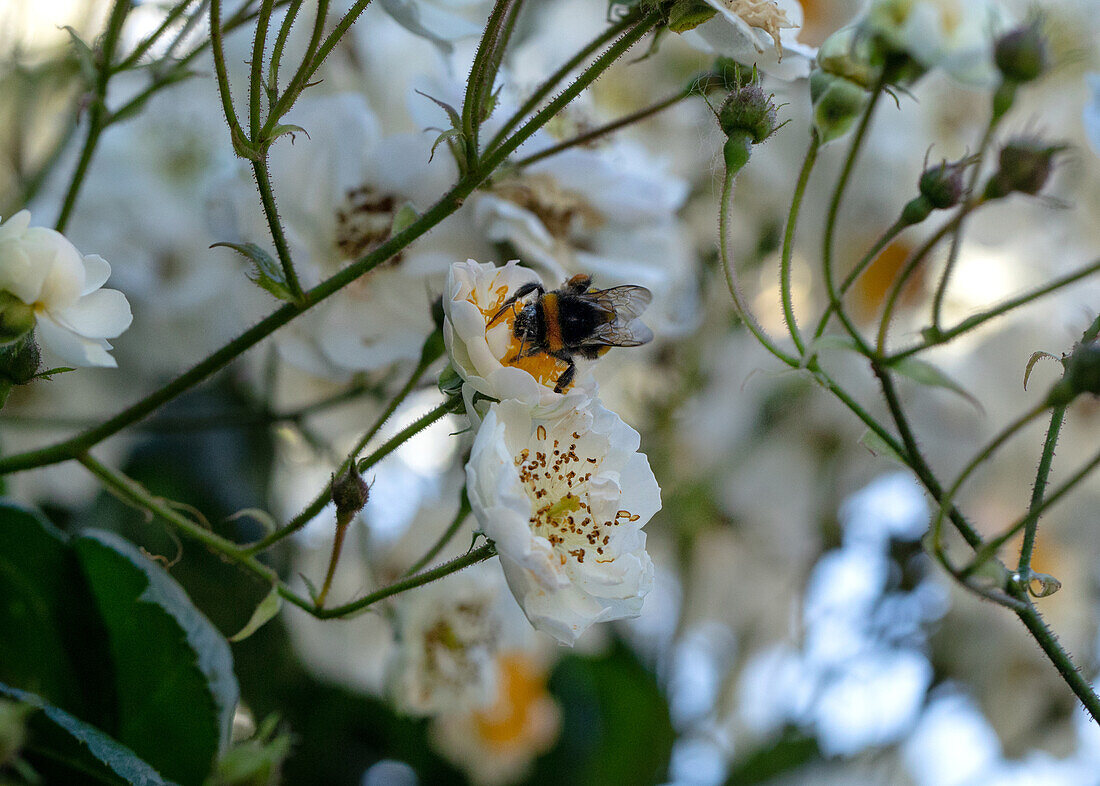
pixel 51 641
pixel 926 374
pixel 267 609
pixel 174 680
pixel 879 447
pixel 65 749
pixel 268 273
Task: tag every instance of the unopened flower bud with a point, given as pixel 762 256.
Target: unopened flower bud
pixel 837 103
pixel 748 109
pixel 1083 368
pixel 350 493
pixel 1025 166
pixel 1021 54
pixel 942 185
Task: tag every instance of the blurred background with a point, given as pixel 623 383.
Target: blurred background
pixel 797 632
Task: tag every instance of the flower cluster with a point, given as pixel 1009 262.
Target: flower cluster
pixel 554 478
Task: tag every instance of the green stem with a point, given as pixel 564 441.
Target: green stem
pixel 481 554
pixel 318 504
pixel 994 544
pixel 1061 659
pixel 552 81
pixel 277 52
pixel 403 436
pixel 135 493
pixel 222 75
pixel 445 538
pixel 975 320
pixel 606 129
pixel 731 274
pixel 147 43
pixel 256 70
pixel 915 459
pixel 947 499
pixel 872 254
pixel 1057 415
pixel 834 211
pixel 282 248
pixel 911 265
pixel 788 242
pixel 98 116
pixel 342 522
pixel 479 85
pixel 965 208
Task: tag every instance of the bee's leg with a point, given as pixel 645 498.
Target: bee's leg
pixel 566 376
pixel 522 292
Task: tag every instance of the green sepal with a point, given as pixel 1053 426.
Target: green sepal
pixel 688 14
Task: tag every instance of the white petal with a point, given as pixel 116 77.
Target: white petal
pixel 96 272
pixel 71 348
pixel 104 313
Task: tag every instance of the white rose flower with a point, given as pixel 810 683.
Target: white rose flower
pixel 955 35
pixel 485 355
pixel 565 501
pixel 74 316
pixel 756 32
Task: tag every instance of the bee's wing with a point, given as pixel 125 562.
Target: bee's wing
pixel 621 334
pixel 626 302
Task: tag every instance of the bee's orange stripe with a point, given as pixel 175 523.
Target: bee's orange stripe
pixel 553 327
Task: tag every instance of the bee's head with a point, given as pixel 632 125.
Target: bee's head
pixel 527 328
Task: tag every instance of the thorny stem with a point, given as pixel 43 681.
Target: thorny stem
pixel 914 261
pixel 608 128
pixel 993 545
pixel 834 210
pixel 318 503
pixel 445 537
pixel 1057 415
pixel 1061 659
pixel 282 248
pixel 488 551
pixel 98 115
pixel 788 241
pixel 133 492
pixel 552 81
pixel 980 318
pixel 342 522
pixel 964 210
pixel 732 284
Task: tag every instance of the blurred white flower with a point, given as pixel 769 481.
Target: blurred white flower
pixel 756 32
pixel 608 212
pixel 496 744
pixel 955 35
pixel 1092 111
pixel 441 21
pixel 447 634
pixel 565 501
pixel 74 316
pixel 340 191
pixel 485 355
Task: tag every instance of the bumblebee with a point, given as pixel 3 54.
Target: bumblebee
pixel 577 320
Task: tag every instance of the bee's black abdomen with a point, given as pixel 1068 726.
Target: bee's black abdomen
pixel 578 319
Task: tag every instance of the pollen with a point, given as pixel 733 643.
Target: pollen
pixel 764 14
